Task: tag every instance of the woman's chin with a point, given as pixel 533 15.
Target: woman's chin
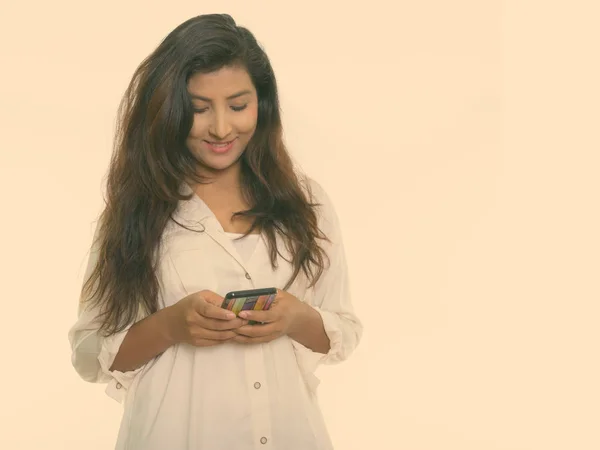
pixel 220 164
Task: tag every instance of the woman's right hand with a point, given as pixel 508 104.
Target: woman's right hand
pixel 199 320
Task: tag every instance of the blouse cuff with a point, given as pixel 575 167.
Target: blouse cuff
pixel 331 323
pixel 119 382
pixel 309 360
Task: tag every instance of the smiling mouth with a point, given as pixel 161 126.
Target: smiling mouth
pixel 220 143
pixel 220 147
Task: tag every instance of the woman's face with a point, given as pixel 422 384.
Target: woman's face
pixel 225 114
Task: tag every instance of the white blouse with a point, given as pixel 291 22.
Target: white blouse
pixel 244 245
pixel 231 396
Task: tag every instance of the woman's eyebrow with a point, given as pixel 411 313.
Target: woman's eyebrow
pixel 231 97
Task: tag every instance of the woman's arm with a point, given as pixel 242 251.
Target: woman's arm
pixel 144 341
pixel 331 298
pixel 324 323
pixel 309 330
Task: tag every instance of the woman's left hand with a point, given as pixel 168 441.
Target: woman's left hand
pixel 279 320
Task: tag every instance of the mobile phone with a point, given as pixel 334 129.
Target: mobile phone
pixel 250 299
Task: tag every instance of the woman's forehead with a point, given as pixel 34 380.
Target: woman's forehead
pixel 227 82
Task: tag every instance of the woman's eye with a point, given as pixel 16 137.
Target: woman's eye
pixel 234 108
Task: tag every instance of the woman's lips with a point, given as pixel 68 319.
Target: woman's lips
pixel 220 147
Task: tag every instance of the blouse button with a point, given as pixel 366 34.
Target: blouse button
pixel 263 440
pixel 257 385
pixel 119 385
pixel 248 276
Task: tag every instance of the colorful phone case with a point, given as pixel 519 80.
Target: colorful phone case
pixel 256 303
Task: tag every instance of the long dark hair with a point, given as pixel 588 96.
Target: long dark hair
pixel 151 159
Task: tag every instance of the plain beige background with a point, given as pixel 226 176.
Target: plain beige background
pixel 459 141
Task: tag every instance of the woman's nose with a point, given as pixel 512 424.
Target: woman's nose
pixel 220 126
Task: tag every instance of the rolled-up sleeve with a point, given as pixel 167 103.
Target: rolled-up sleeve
pixel 92 354
pixel 331 296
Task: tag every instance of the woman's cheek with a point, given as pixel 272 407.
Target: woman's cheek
pixel 247 124
pixel 197 128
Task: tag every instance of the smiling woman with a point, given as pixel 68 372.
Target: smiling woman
pixel 202 200
pixel 226 111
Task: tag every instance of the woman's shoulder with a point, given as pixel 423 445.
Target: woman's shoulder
pixel 314 190
pixel 318 196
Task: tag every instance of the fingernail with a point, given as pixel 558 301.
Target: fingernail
pixel 244 314
pixel 230 315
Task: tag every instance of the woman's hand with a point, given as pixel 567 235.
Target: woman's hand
pixel 199 320
pixel 279 320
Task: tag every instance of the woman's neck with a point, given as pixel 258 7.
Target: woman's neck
pixel 220 183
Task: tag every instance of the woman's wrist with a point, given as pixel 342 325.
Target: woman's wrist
pixel 305 317
pixel 308 329
pixel 167 326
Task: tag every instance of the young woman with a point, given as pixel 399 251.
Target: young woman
pixel 203 199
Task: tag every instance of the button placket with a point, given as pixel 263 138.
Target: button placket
pixel 259 397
